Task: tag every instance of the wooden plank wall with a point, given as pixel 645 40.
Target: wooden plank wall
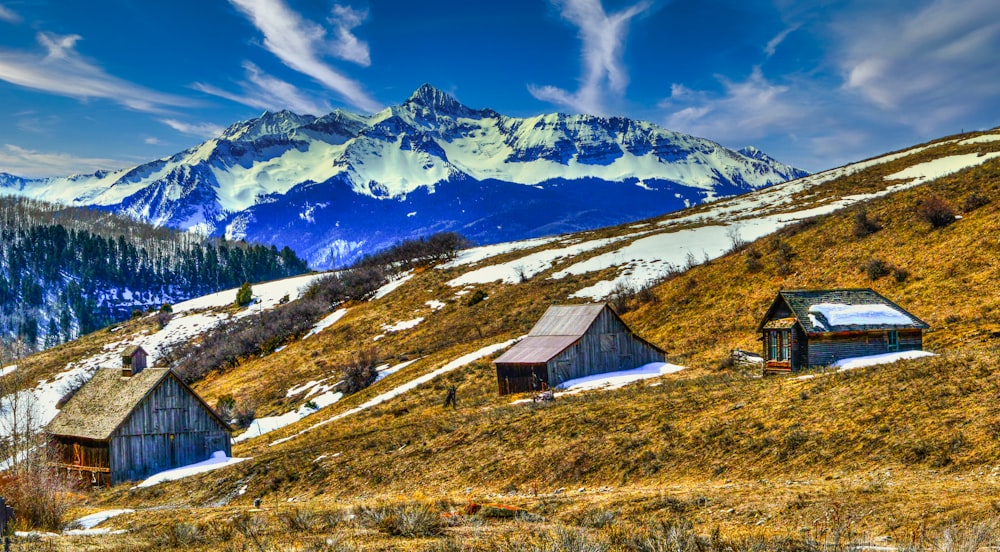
pixel 586 357
pixel 827 349
pixel 170 428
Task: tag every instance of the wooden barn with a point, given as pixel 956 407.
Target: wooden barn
pixel 127 425
pixel 572 341
pixel 812 328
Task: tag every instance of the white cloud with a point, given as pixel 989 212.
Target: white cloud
pixel 604 71
pixel 347 46
pixel 745 111
pixel 263 91
pixel 151 140
pixel 61 70
pixel 772 45
pixel 35 164
pixel 925 65
pixel 299 44
pixel 9 16
pixel 204 130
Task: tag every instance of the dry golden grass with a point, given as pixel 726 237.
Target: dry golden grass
pixel 906 450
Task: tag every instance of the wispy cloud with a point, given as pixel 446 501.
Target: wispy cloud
pixel 347 46
pixel 263 91
pixel 301 45
pixel 60 70
pixel 604 71
pixel 152 141
pixel 204 130
pixel 744 111
pixel 925 65
pixel 9 16
pixel 35 164
pixel 772 45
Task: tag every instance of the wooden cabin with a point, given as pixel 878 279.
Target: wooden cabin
pixel 572 341
pixel 814 328
pixel 125 425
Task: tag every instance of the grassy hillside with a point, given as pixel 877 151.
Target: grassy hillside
pixel 711 458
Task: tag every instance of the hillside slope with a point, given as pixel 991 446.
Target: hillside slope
pixel 901 450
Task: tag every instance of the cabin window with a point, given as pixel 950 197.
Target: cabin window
pixel 893 341
pixel 780 345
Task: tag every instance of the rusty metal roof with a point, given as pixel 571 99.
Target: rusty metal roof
pixel 567 319
pixel 537 349
pixel 560 327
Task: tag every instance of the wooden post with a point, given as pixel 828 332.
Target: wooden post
pixel 6 521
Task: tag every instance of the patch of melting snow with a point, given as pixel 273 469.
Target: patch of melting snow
pixel 392 286
pixel 410 385
pixel 434 304
pixel 267 424
pixel 97 518
pixel 326 322
pixel 612 380
pixel 217 461
pixel 404 325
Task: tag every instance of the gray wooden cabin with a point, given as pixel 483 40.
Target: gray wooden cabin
pixel 797 333
pixel 125 425
pixel 572 341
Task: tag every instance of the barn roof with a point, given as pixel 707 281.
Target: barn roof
pixel 558 329
pixel 843 310
pixel 107 400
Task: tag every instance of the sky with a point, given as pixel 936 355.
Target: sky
pixel 107 84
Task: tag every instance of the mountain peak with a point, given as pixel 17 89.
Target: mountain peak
pixel 433 99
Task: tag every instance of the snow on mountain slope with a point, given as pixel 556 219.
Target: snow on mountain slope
pixel 317 184
pixel 645 255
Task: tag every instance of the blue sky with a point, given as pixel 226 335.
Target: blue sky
pixel 815 83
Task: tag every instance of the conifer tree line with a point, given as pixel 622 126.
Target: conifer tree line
pixel 69 271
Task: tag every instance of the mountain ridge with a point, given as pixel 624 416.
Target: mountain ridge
pixel 292 166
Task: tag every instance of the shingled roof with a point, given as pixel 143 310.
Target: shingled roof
pixel 840 310
pixel 106 401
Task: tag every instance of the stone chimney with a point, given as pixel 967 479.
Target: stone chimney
pixel 133 361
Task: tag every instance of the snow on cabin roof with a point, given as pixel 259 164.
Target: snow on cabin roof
pixel 839 310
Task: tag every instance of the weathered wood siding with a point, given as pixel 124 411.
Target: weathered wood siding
pixel 169 428
pixel 608 346
pixel 825 349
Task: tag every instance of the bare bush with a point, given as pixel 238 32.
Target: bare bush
pixel 863 224
pixel 361 372
pixel 877 268
pixel 783 256
pixel 411 519
pixel 975 201
pixel 935 211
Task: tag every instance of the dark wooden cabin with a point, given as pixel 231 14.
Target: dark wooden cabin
pixel 133 360
pixel 125 425
pixel 572 341
pixel 814 328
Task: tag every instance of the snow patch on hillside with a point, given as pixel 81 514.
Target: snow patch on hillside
pixel 326 322
pixel 217 461
pixel 409 386
pixel 943 166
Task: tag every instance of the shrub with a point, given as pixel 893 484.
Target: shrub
pixel 244 414
pixel 478 296
pixel 974 201
pixel 935 211
pixel 900 274
pixel 163 318
pixel 783 256
pixel 40 498
pixel 361 372
pixel 863 225
pixel 244 295
pixel 166 308
pixel 877 268
pixel 752 259
pixel 225 407
pixel 402 520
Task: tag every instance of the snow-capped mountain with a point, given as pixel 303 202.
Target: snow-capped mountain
pixel 336 187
